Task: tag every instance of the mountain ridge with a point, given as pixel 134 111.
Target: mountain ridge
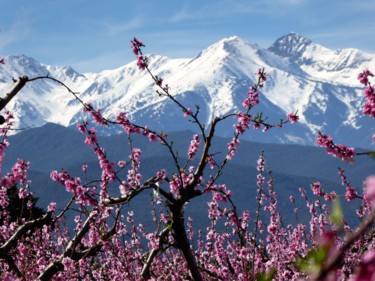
pixel 318 82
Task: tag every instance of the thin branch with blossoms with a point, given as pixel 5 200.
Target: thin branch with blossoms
pixel 142 63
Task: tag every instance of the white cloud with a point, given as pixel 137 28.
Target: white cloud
pixel 118 28
pixel 217 10
pixel 182 15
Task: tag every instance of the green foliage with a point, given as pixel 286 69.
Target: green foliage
pixel 336 215
pixel 372 154
pixel 314 260
pixel 266 276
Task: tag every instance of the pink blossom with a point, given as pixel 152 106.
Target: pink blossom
pixel 363 76
pixel 84 167
pixel 340 151
pixel 68 264
pixel 369 106
pixel 142 62
pixel 91 138
pixel 136 46
pixel 232 148
pixel 124 188
pixel 293 118
pixel 350 194
pixel 188 112
pixel 211 161
pixel 317 190
pixel 121 163
pixel 252 98
pixel 366 269
pixel 23 193
pixel 98 118
pixel 262 75
pixel 96 114
pixel 125 123
pixel 194 146
pixel 218 197
pixel 82 127
pixel 51 207
pixel 161 175
pixel 370 189
pixel 152 137
pixel 243 123
pixel 261 163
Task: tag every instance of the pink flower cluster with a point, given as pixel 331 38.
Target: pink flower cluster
pixel 318 191
pixel 211 161
pixel 91 137
pixel 293 117
pixel 125 123
pixel 83 196
pixel 18 174
pixel 151 136
pixel 232 148
pixel 262 76
pixel 142 61
pixel 133 177
pixel 220 193
pixel 243 123
pixel 370 190
pixel 339 151
pixel 369 106
pixel 364 75
pixel 108 168
pixel 181 181
pixel 350 193
pixel 194 146
pixel 96 114
pixel 188 112
pixel 252 98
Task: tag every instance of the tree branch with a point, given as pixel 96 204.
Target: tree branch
pixel 146 267
pixel 12 241
pixel 17 87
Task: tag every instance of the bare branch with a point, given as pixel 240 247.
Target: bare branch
pixel 17 87
pixel 149 184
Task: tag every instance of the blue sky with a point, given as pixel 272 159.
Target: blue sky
pixel 93 35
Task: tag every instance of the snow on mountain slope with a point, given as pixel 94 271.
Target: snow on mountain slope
pixel 323 64
pixel 318 82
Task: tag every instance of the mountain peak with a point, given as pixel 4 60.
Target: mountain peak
pixel 22 60
pixel 290 45
pixel 232 45
pixel 231 39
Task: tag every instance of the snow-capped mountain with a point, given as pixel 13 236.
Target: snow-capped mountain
pixel 318 82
